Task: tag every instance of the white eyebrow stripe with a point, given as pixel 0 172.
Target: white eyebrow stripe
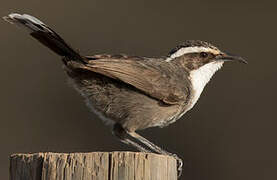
pixel 188 50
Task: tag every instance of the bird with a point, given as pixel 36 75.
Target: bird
pixel 132 93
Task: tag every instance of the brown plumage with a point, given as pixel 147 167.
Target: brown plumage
pixel 149 96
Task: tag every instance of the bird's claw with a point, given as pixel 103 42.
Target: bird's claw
pixel 179 165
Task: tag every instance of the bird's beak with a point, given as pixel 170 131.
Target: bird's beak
pixel 230 57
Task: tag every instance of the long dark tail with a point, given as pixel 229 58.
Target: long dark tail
pixel 43 34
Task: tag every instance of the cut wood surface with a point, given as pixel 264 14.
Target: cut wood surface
pixel 92 166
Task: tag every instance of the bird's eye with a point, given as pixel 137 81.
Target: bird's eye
pixel 204 54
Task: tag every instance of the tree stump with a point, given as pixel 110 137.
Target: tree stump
pixel 92 166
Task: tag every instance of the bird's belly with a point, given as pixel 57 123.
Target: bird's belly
pixel 117 102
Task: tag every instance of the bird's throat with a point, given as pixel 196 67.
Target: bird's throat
pixel 200 77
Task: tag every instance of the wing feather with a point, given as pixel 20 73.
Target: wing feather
pixel 156 79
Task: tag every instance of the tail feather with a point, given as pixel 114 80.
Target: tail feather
pixel 43 34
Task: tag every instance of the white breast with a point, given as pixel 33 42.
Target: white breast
pixel 200 77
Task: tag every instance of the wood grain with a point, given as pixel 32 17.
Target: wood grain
pixel 92 166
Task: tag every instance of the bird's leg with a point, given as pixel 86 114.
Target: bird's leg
pixel 157 149
pixel 122 134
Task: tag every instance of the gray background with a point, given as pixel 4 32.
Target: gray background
pixel 229 134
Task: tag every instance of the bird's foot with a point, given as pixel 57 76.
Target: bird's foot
pixel 179 164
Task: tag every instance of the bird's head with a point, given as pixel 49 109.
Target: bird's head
pixel 201 60
pixel 194 54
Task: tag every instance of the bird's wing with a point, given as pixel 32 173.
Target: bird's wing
pixel 147 76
